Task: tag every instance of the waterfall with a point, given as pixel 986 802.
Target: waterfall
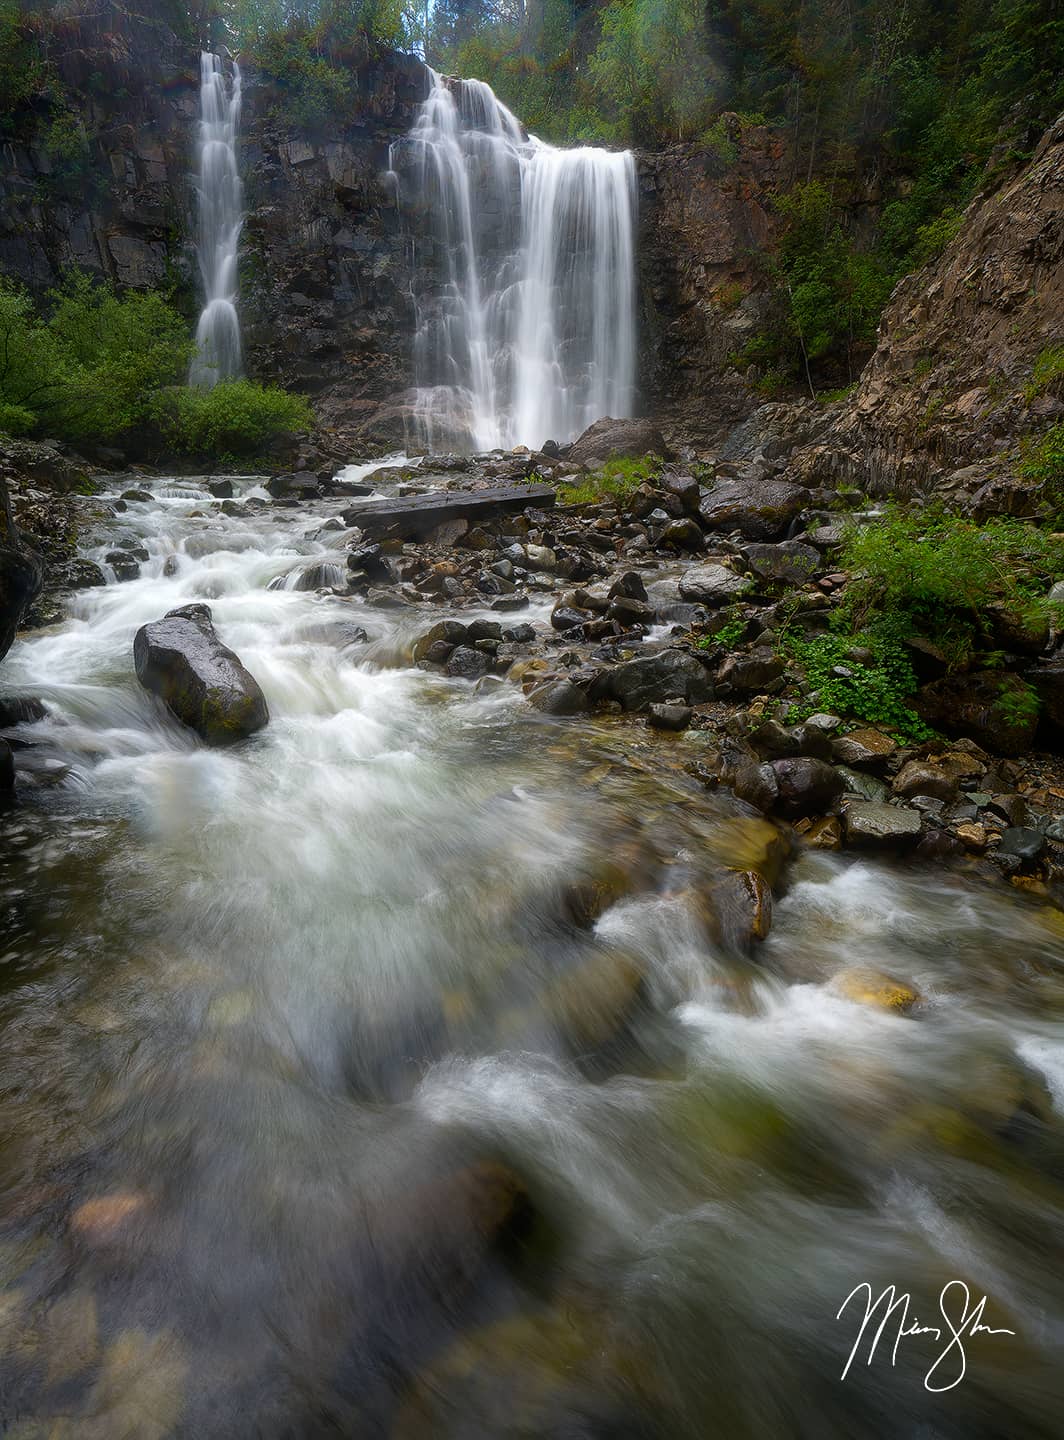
pixel 218 192
pixel 524 276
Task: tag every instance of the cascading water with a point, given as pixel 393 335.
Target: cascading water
pixel 219 195
pixel 525 287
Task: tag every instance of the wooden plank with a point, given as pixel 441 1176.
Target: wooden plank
pixel 414 516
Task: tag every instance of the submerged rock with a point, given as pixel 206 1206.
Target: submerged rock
pixel 201 681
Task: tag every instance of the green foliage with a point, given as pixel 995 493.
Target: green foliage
pixel 929 575
pixel 872 690
pixel 651 72
pixel 112 353
pixel 1043 460
pixel 1047 373
pixel 236 418
pixel 617 480
pixel 920 563
pixel 23 73
pixel 16 419
pixel 86 371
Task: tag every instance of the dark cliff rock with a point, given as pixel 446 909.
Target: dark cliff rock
pixel 325 294
pixel 103 184
pixel 705 222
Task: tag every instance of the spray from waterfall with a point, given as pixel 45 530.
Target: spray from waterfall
pixel 524 276
pixel 219 195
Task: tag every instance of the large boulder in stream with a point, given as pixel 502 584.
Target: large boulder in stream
pixel 180 659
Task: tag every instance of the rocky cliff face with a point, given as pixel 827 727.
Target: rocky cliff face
pixel 325 256
pixel 104 185
pixel 325 281
pixel 947 399
pixel 705 226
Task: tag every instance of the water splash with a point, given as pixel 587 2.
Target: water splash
pixel 524 275
pixel 219 193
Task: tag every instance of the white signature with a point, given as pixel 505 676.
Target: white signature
pixel 955 1295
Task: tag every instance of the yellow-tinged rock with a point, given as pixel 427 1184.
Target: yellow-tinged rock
pixel 139 1394
pixel 233 1008
pixel 971 835
pixel 871 987
pixel 103 1220
pixel 750 843
pixel 71 1335
pixel 825 834
pixel 591 1004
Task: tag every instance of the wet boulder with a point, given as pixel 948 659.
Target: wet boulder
pixel 759 510
pixel 757 670
pixel 806 786
pixel 712 585
pixel 791 562
pixel 21 578
pixel 202 683
pixel 871 825
pixel 650 679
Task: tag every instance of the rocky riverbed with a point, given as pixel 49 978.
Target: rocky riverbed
pixel 525 1023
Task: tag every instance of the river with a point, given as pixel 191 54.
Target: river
pixel 324 1114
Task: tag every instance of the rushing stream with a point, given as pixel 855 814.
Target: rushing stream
pixel 323 1116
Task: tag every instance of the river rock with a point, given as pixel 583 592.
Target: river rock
pixel 76 574
pixel 7 769
pixel 875 826
pixel 630 586
pixel 919 777
pixel 712 585
pixel 684 534
pixel 865 986
pixel 201 681
pixel 806 786
pixel 1024 844
pixel 669 717
pixel 668 675
pixel 465 663
pixel 863 749
pixel 751 672
pixel 559 697
pixel 790 562
pixel 759 510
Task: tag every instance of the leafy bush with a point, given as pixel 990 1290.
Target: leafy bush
pixel 873 691
pixel 16 419
pixel 937 573
pixel 87 371
pixel 113 353
pixel 237 417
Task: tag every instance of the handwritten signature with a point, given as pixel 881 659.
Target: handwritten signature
pixel 888 1305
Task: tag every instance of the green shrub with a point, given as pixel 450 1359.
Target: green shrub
pixel 113 353
pixel 617 480
pixel 237 417
pixel 936 574
pixel 87 372
pixel 16 419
